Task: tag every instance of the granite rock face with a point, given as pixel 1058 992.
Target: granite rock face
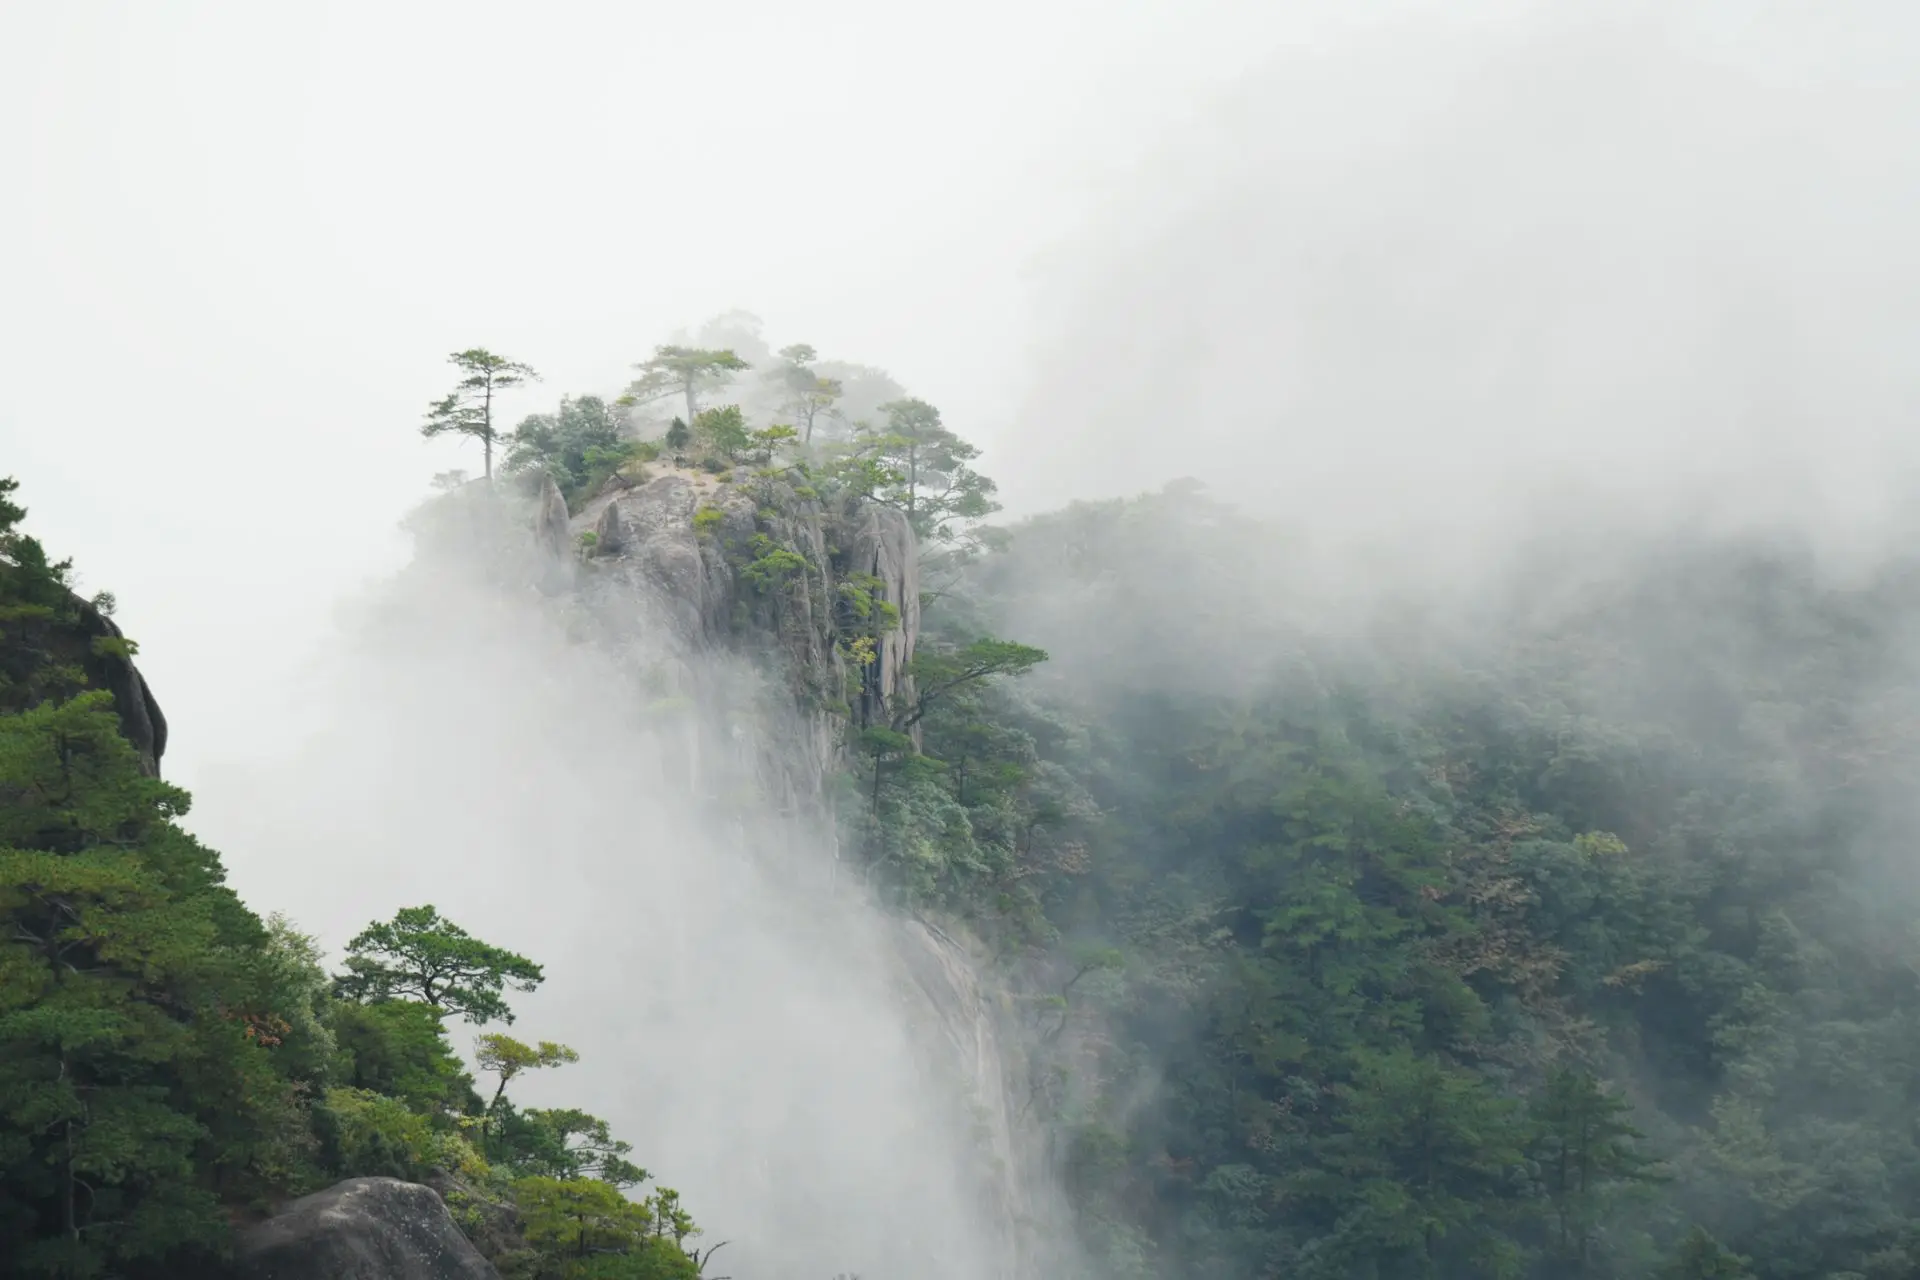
pixel 74 633
pixel 732 606
pixel 362 1229
pixel 672 577
pixel 140 717
pixel 553 537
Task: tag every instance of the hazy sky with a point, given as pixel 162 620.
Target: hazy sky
pixel 1664 246
pixel 240 238
pixel 1553 262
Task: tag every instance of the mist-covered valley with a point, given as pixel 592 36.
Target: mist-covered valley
pixel 1378 745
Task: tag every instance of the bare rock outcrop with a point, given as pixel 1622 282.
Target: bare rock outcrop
pixel 362 1229
pixel 553 536
pixel 75 634
pixel 610 535
pixel 881 545
pixel 140 717
pixel 693 553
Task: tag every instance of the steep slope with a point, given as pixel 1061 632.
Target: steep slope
pixel 763 628
pixel 53 643
pixel 759 573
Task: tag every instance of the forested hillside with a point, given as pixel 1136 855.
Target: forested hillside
pixel 1569 934
pixel 1561 923
pixel 173 1066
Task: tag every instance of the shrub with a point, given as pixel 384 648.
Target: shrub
pixel 400 1047
pixel 368 1134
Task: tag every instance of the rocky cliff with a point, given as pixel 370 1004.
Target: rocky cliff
pixel 45 644
pixel 769 627
pixel 361 1229
pixel 775 580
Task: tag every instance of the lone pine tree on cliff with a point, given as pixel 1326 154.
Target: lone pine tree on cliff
pixel 468 409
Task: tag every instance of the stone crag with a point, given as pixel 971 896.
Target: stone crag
pixel 683 548
pixel 762 628
pixel 773 579
pixel 361 1229
pixel 73 634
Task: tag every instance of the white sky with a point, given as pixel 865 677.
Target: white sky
pixel 1666 243
pixel 239 238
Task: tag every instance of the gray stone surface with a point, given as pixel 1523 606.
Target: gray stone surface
pixel 362 1229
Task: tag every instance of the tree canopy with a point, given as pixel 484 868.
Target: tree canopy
pixel 468 410
pixel 931 480
pixel 420 956
pixel 686 372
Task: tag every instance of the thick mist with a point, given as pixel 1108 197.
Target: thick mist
pixel 738 1009
pixel 1438 284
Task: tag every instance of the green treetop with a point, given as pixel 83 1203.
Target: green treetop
pixel 806 396
pixel 507 1058
pixel 468 409
pixel 931 480
pixel 420 956
pixel 136 1037
pixel 685 372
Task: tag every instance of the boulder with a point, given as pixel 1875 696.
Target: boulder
pixel 610 535
pixel 362 1229
pixel 553 537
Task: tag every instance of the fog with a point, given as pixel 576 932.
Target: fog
pixel 738 1008
pixel 1456 282
pixel 239 242
pixel 1422 289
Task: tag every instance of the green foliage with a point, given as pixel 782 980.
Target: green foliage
pixel 113 647
pixel 584 1229
pixel 943 673
pixel 707 520
pixel 1574 952
pixel 374 1135
pixel 1701 1257
pixel 806 396
pixel 169 1062
pixel 862 615
pixel 686 372
pixel 35 579
pixel 724 431
pixel 418 955
pixel 580 445
pixel 44 644
pixel 295 987
pixel 562 1143
pixel 507 1058
pixel 467 410
pixel 136 1053
pixel 861 475
pixel 928 475
pixel 772 567
pixel 400 1048
pixel 1588 1156
pixel 763 444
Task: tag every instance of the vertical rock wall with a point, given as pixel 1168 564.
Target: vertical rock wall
pixel 662 580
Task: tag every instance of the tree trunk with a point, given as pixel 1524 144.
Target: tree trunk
pixel 486 427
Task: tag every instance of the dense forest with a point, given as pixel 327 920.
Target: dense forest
pixel 172 1065
pixel 1561 929
pixel 1564 927
pixel 1571 933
